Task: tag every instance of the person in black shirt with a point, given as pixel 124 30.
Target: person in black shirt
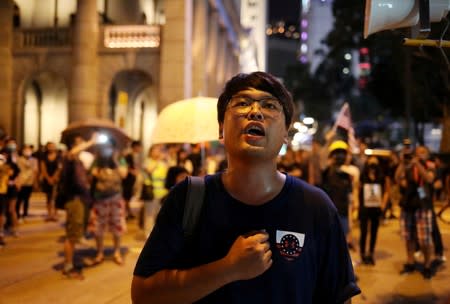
pixel 262 236
pixel 374 193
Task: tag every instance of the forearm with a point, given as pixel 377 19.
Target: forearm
pixel 81 147
pixel 180 286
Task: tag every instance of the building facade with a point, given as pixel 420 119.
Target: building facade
pixel 125 60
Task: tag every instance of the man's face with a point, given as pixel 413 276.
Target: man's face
pixel 254 125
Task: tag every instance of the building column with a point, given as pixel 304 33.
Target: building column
pixel 176 52
pixel 6 65
pixel 211 56
pixel 221 59
pixel 83 93
pixel 199 74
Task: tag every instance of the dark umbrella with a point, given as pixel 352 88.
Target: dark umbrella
pixel 104 127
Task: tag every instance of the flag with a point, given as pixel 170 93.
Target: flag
pixel 344 121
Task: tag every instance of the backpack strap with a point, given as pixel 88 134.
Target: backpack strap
pixel 193 206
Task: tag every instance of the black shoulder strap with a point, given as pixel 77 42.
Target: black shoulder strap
pixel 194 202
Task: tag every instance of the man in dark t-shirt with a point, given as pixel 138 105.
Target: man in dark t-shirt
pixel 262 236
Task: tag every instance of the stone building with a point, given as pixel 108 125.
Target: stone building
pixel 67 60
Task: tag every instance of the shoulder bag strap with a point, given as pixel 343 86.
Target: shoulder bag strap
pixel 194 202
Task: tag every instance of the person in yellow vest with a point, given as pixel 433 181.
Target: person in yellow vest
pixel 156 167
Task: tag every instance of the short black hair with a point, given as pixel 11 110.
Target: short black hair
pixel 136 143
pixel 172 175
pixel 261 81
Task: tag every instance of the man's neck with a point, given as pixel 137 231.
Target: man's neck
pixel 254 184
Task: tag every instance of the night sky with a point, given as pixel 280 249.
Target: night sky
pixel 288 10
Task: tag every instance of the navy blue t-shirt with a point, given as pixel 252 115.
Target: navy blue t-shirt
pixel 311 263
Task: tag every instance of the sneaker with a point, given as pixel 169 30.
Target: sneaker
pixel 418 254
pixel 441 258
pixel 370 260
pixel 408 268
pixel 427 273
pixel 2 242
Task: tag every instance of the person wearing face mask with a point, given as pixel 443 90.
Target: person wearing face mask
pixel 374 194
pixel 13 185
pixel 108 210
pixel 337 183
pixel 50 169
pixel 28 166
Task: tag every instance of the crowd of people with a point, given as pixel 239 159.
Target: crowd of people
pixel 364 188
pixel 95 184
pixel 370 187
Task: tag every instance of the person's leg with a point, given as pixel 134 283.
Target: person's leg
pixel 117 254
pixel 437 237
pixel 52 203
pixel 74 232
pixel 407 223
pixel 363 235
pixel 425 238
pixel 3 209
pixel 69 248
pixel 19 201
pixel 374 225
pixel 100 213
pixel 26 200
pixel 117 225
pixel 48 197
pixel 12 212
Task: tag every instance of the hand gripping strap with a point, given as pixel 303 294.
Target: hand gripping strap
pixel 193 206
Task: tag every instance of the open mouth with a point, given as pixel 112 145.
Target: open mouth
pixel 255 130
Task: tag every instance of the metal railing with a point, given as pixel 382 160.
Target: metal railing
pixel 132 36
pixel 112 36
pixel 38 38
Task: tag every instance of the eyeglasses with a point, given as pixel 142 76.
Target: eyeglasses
pixel 242 105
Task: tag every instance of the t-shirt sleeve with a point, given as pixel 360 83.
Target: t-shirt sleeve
pixel 165 244
pixel 336 281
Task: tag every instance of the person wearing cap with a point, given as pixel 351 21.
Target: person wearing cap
pixel 262 236
pixel 338 184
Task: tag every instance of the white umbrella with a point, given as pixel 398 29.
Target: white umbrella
pixel 192 120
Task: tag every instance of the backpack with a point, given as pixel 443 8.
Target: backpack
pixel 193 206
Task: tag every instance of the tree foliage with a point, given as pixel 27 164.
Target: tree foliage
pixel 400 76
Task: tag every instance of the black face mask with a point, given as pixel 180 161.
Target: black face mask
pixel 372 166
pixel 339 159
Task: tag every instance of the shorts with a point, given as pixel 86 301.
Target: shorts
pixel 417 225
pixel 344 224
pixel 108 213
pixel 74 219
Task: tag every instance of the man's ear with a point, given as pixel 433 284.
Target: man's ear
pixel 286 137
pixel 220 131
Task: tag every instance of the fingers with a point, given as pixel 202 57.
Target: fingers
pixel 267 258
pixel 259 236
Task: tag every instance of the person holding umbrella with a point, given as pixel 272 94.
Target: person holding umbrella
pixel 109 207
pixel 262 236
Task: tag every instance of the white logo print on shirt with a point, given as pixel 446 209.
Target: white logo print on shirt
pixel 290 244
